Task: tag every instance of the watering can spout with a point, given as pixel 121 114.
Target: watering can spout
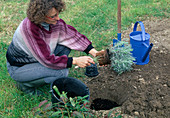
pixel 147 52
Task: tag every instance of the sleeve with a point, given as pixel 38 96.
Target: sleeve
pixel 71 38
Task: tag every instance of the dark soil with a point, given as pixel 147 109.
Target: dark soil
pixel 103 104
pixel 145 91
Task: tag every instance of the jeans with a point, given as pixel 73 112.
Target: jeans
pixel 35 74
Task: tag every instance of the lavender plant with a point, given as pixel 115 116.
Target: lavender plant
pixel 121 57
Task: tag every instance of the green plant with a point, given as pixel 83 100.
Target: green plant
pixel 121 57
pixel 71 107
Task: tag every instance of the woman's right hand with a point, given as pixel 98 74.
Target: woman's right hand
pixel 83 61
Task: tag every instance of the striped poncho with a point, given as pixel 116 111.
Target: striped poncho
pixel 32 43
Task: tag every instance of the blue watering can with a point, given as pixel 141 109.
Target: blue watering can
pixel 139 41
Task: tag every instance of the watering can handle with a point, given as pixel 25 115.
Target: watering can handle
pixel 142 28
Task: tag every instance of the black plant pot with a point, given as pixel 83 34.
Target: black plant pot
pixel 72 86
pixel 91 71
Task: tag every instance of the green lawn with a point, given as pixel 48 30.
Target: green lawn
pixel 97 19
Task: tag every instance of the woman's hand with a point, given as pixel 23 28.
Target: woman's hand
pixel 83 61
pixel 93 52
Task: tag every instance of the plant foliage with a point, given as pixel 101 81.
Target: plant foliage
pixel 71 107
pixel 121 57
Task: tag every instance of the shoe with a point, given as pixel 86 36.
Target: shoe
pixel 28 90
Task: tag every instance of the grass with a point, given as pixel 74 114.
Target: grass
pixel 95 19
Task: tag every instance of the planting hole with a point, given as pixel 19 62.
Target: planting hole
pixel 103 104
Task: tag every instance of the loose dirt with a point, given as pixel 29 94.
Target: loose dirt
pixel 145 91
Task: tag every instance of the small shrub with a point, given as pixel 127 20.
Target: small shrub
pixel 121 57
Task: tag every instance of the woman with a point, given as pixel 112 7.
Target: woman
pixel 38 53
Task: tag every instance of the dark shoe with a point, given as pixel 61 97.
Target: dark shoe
pixel 24 87
pixel 37 92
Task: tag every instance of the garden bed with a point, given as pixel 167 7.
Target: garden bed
pixel 145 91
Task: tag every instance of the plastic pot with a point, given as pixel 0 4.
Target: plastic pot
pixel 72 86
pixel 91 71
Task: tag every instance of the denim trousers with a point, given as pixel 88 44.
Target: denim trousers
pixel 35 74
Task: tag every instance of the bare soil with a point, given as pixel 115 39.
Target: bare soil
pixel 145 91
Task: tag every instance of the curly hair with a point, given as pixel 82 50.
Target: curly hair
pixel 38 9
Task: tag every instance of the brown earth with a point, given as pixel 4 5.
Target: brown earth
pixel 145 91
